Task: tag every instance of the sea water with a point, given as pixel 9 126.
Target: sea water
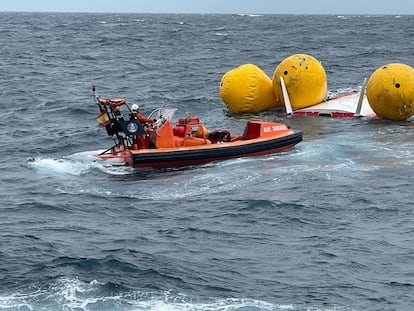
pixel 326 226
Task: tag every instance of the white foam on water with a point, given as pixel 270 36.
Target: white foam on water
pixel 77 164
pixel 14 302
pixel 214 178
pixel 74 294
pixel 53 166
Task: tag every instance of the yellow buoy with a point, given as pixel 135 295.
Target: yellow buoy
pixel 247 88
pixel 390 91
pixel 305 80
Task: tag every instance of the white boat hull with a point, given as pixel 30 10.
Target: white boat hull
pixel 342 106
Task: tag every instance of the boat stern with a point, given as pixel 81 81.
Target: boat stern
pixel 118 156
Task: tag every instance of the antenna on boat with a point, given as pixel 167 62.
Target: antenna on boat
pixel 286 99
pixel 361 98
pixel 96 97
pixel 93 91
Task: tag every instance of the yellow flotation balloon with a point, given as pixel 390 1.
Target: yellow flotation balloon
pixel 247 88
pixel 390 91
pixel 305 80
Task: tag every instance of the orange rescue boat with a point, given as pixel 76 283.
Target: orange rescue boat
pixel 159 143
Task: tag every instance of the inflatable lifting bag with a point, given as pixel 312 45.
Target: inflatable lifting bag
pixel 305 81
pixel 247 88
pixel 390 91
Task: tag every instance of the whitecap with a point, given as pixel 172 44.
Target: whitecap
pixel 74 294
pixel 54 166
pixel 78 164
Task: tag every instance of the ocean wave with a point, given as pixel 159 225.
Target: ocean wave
pixel 307 229
pixel 76 295
pixel 77 164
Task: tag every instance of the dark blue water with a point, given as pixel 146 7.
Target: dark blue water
pixel 326 226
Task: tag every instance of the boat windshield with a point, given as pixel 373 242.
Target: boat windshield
pixel 161 115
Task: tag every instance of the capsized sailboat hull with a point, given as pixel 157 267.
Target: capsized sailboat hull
pixel 350 105
pixel 341 106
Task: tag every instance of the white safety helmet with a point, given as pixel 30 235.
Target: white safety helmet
pixel 134 107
